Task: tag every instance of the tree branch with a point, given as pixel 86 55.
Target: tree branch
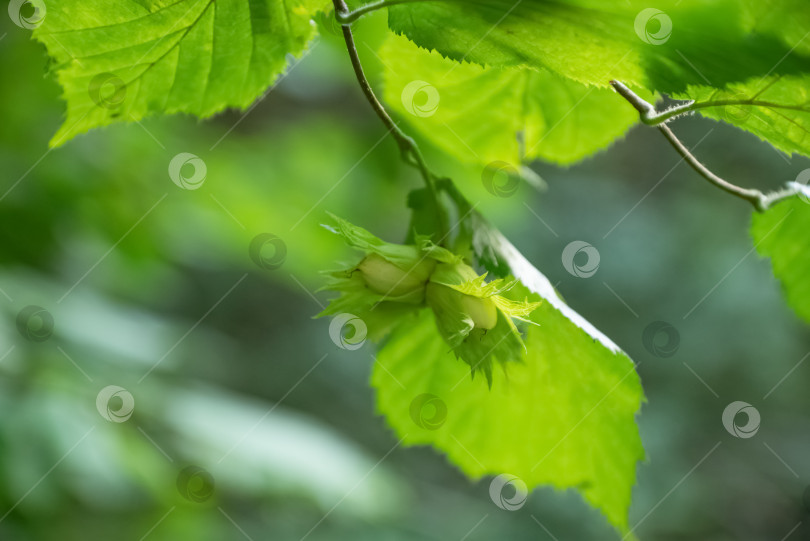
pixel 760 200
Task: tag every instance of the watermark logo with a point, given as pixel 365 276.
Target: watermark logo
pixel 107 90
pixel 584 269
pixel 508 492
pixel 35 323
pixel 501 179
pixel 330 24
pixel 188 171
pixel 195 484
pixel 661 339
pixel 802 182
pixel 428 411
pixel 343 337
pixel 268 251
pixel 737 110
pixel 115 404
pixel 420 99
pixel 653 26
pixel 751 426
pixel 27 14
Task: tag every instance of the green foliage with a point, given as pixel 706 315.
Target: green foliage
pixel 123 61
pixel 592 41
pixel 782 235
pixel 501 82
pixel 563 417
pixel 481 111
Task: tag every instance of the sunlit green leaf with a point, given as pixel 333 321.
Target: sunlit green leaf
pixel 564 417
pixel 123 61
pixel 783 235
pixel 662 47
pixel 480 113
pixel 788 20
pixel 776 109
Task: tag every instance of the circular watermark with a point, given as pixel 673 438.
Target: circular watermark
pixel 751 426
pixel 584 269
pixel 115 403
pixel 738 111
pixel 501 179
pixel 107 90
pixel 428 411
pixel 195 484
pixel 180 174
pixel 330 24
pixel 35 323
pixel 653 26
pixel 661 339
pixel 342 337
pixel 508 492
pixel 803 180
pixel 267 251
pixel 420 99
pixel 27 14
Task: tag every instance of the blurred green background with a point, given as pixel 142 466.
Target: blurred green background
pixel 151 288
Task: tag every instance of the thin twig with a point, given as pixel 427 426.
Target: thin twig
pixel 754 196
pixel 760 200
pixel 410 151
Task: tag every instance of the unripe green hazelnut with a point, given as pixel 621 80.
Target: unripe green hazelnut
pixel 385 278
pixel 482 311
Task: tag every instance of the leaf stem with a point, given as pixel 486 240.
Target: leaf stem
pixel 760 200
pixel 407 146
